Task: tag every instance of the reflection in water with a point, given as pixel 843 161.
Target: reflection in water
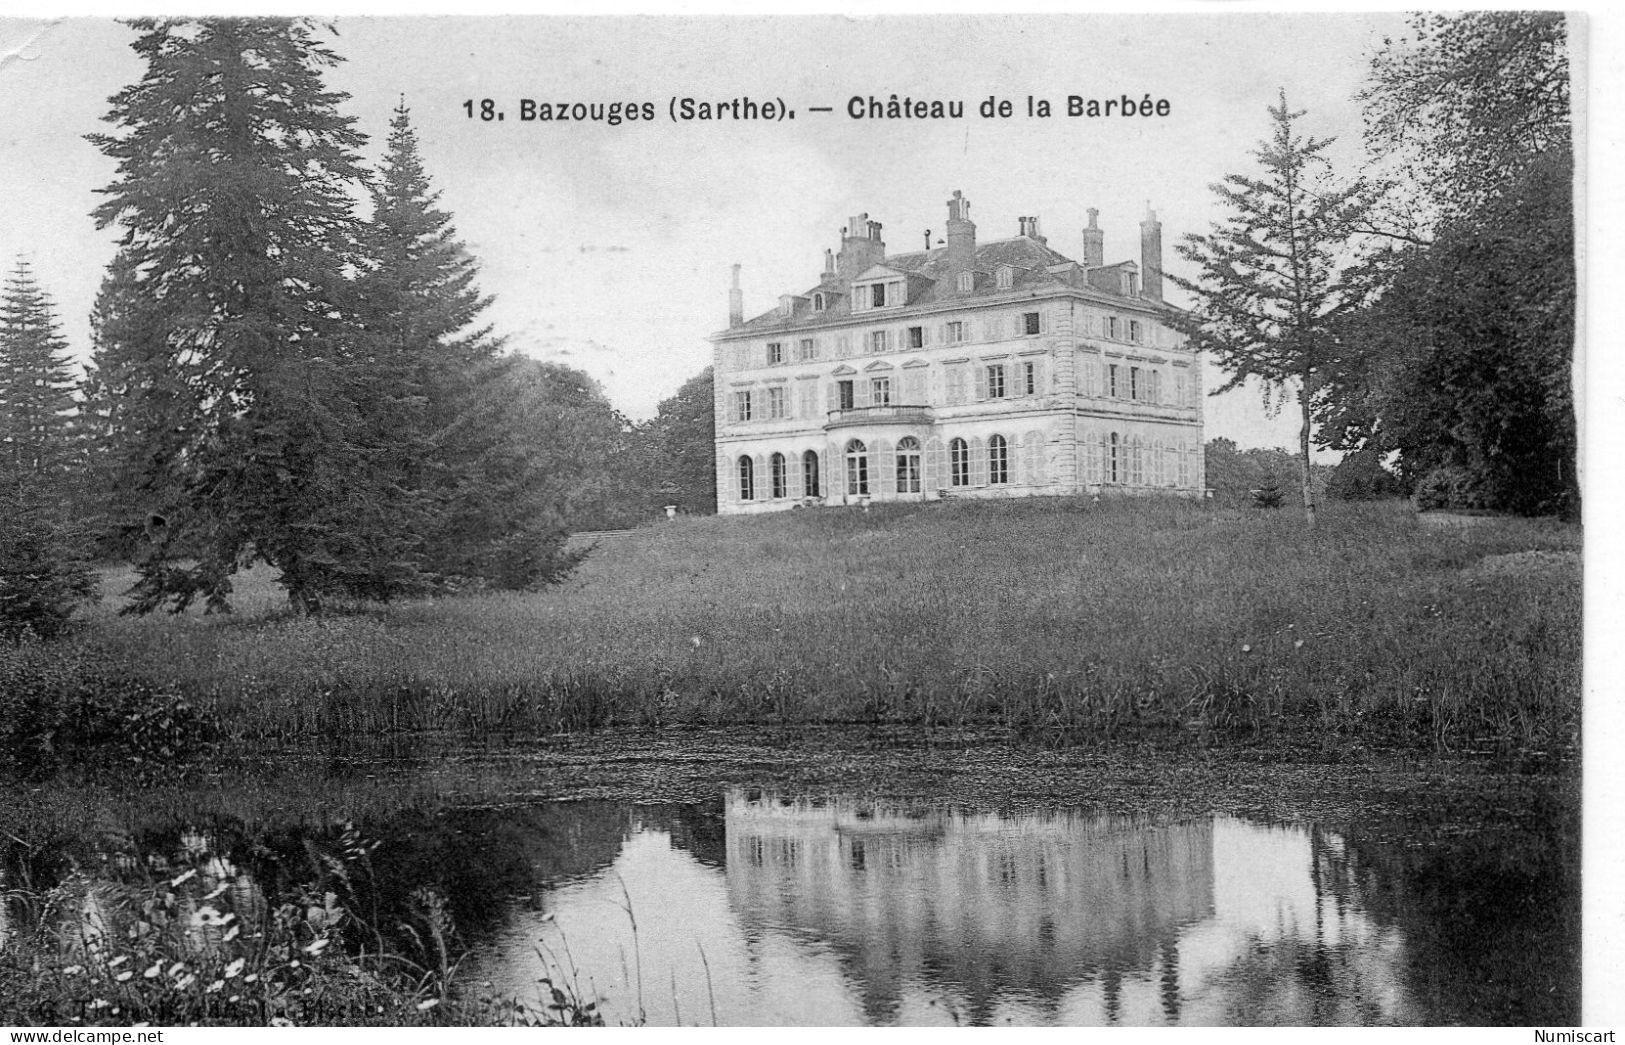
pixel 843 913
pixel 757 909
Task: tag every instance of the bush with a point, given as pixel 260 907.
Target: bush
pixel 60 701
pixel 41 580
pixel 1448 487
pixel 1268 495
pixel 1360 476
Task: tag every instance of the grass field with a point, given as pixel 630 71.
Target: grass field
pixel 1055 619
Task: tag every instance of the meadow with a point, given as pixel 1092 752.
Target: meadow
pixel 1053 620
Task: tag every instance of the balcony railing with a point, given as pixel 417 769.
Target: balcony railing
pixel 879 415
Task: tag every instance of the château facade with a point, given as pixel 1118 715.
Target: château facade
pixel 1000 369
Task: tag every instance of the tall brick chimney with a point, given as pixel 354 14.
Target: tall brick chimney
pixel 736 302
pixel 861 247
pixel 1151 255
pixel 961 239
pixel 1094 241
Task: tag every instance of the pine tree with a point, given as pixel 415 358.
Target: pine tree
pixel 37 407
pixel 464 475
pixel 1276 276
pixel 227 315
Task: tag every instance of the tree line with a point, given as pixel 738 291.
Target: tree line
pixel 1422 310
pixel 278 378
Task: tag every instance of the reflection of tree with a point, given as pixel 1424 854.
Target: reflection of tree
pixel 1491 917
pixel 983 908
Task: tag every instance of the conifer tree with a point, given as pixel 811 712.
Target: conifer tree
pixel 1276 275
pixel 37 407
pixel 462 475
pixel 227 318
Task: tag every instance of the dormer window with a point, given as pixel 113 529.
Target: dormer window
pixel 818 302
pixel 1006 277
pixel 884 293
pixel 879 300
pixel 967 282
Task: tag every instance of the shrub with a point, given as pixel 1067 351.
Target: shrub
pixel 1447 487
pixel 1268 495
pixel 41 580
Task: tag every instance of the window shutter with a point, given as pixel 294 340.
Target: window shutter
pixel 978 462
pixel 981 382
pixel 933 465
pixel 882 468
pixel 914 387
pixel 860 392
pixel 925 335
pixel 1043 322
pixel 1015 466
pixel 1091 442
pixel 792 477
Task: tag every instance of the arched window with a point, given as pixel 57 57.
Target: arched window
pixel 747 479
pixel 777 476
pixel 809 473
pixel 857 468
pixel 908 465
pixel 1114 460
pixel 998 460
pixel 959 463
pixel 818 302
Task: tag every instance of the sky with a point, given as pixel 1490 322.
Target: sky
pixel 608 248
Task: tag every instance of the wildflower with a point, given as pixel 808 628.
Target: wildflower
pixel 214 987
pixel 1298 644
pixel 696 641
pixel 293 964
pixel 281 1021
pixel 428 1003
pixel 1246 649
pixel 185 981
pixel 235 967
pixel 73 970
pixel 222 887
pixel 177 967
pixel 120 960
pixel 100 1003
pixel 231 934
pixel 125 975
pixel 251 977
pixel 186 877
pixel 234 997
pixel 318 947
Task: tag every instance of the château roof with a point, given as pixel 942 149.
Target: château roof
pixel 1034 267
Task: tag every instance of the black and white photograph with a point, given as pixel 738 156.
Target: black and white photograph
pixel 918 520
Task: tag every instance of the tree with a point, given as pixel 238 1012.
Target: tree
pixel 680 448
pixel 1276 275
pixel 1464 358
pixel 37 407
pixel 228 306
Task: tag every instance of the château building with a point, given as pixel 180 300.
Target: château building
pixel 969 369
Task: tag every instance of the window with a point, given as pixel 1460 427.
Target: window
pixel 1134 382
pixel 818 302
pixel 1156 386
pixel 806 350
pixel 1029 379
pixel 878 300
pixel 777 476
pixel 880 391
pixel 967 282
pixel 1114 460
pixel 995 381
pixel 956 332
pixel 959 463
pixel 741 411
pixel 1111 379
pixel 747 479
pixel 916 337
pixel 879 340
pixel 908 465
pixel 1006 277
pixel 1134 330
pixel 1111 327
pixel 775 353
pixel 857 468
pixel 1029 323
pixel 809 473
pixel 998 460
pixel 956 377
pixel 846 398
pixel 775 404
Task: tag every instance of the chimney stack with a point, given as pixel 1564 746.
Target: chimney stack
pixel 1151 254
pixel 961 239
pixel 1094 241
pixel 829 266
pixel 736 303
pixel 861 247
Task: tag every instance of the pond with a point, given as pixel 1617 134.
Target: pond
pixel 764 907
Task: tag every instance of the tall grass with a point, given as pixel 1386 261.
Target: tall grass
pixel 1058 620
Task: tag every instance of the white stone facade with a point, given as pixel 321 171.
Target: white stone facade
pixel 1000 370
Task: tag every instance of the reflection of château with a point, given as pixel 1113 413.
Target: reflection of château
pixel 980 904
